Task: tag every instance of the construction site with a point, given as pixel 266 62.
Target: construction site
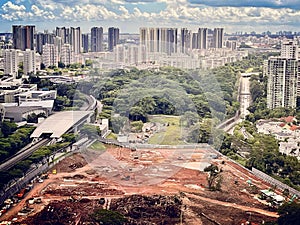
pixel 145 186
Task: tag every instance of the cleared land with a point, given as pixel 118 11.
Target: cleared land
pixel 147 186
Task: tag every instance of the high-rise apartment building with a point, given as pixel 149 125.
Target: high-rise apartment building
pixel 42 39
pixel 195 42
pixel 85 42
pixel 70 36
pixel 218 37
pixel 50 55
pixel 283 77
pixel 202 38
pixel 29 62
pixel 97 39
pixel 75 40
pixel 149 37
pixel 11 61
pixel 23 37
pixel 67 55
pixel 289 50
pixel 113 37
pixel 185 40
pixel 159 39
pixel 64 33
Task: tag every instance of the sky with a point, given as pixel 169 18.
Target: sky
pixel 129 15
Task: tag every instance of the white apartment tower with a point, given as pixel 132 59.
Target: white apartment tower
pixel 185 40
pixel 11 62
pixel 289 50
pixel 218 37
pixel 50 55
pixel 76 40
pixel 283 77
pixel 29 62
pixel 162 40
pixel 67 55
pixel 202 38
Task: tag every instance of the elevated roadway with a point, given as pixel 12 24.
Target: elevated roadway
pixel 23 154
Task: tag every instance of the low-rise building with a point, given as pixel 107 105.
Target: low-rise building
pixel 18 114
pixel 285 132
pixel 34 96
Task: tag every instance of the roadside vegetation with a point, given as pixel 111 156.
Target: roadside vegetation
pixel 41 155
pixel 259 150
pixel 12 139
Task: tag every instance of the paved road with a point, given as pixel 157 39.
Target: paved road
pixel 245 96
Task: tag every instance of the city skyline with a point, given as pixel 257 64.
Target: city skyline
pixel 129 15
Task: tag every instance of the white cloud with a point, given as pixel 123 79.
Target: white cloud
pixel 177 13
pixel 9 6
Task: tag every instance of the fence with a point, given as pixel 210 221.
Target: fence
pixel 265 177
pixel 274 182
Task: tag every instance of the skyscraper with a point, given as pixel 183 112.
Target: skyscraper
pixel 70 36
pixel 75 40
pixel 218 37
pixel 149 37
pixel 23 37
pixel 282 76
pixel 159 39
pixel 64 33
pixel 195 44
pixel 85 42
pixel 171 40
pixel 42 39
pixel 113 37
pixel 202 38
pixel 97 39
pixel 185 40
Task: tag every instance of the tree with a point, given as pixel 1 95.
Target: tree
pixel 137 126
pixel 61 65
pixel 289 214
pixel 70 137
pixel 189 118
pixel 8 128
pixel 137 113
pixel 90 130
pixel 214 178
pixel 32 118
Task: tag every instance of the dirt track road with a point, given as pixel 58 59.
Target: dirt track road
pixel 233 205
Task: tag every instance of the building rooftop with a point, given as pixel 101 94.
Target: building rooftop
pixel 44 104
pixel 17 109
pixel 60 123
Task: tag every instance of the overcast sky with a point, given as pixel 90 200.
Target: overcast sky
pixel 129 15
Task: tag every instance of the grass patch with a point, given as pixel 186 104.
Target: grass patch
pixel 249 70
pixel 112 136
pixel 168 135
pixel 97 146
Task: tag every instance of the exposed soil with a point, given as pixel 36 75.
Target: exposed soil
pixel 71 195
